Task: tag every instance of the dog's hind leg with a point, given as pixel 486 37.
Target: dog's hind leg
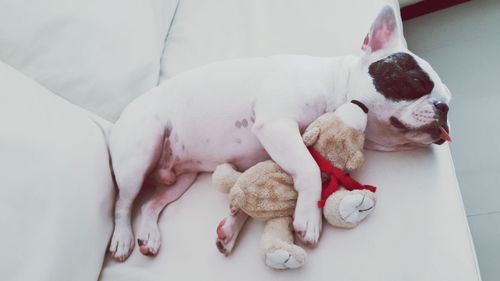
pixel 149 234
pixel 135 145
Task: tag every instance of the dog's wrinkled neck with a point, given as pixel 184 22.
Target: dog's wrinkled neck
pixel 342 68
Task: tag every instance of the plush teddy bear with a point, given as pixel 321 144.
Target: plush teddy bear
pixel 266 192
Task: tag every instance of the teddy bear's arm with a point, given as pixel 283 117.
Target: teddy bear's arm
pixel 311 135
pixel 357 159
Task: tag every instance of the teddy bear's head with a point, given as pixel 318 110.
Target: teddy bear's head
pixel 339 136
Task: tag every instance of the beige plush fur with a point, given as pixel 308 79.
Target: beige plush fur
pixel 266 192
pixel 340 144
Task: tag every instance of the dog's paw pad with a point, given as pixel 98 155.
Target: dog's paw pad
pixel 225 238
pixel 121 244
pixel 282 259
pixel 149 239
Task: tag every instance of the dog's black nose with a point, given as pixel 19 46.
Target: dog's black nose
pixel 442 108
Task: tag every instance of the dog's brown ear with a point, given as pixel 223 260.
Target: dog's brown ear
pixel 311 135
pixel 385 32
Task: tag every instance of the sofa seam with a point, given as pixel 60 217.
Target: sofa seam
pixel 165 41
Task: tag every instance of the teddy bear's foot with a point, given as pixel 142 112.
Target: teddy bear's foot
pixel 277 242
pixel 283 259
pixel 356 206
pixel 348 208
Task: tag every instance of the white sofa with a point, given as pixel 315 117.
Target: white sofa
pixel 56 188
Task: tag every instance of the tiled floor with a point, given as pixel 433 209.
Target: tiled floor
pixel 463 45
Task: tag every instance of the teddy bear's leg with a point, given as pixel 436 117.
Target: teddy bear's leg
pixel 228 230
pixel 347 209
pixel 224 177
pixel 279 250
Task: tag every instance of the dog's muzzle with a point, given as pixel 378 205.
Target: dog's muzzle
pixel 438 130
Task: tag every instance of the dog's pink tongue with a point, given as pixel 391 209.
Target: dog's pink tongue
pixel 444 134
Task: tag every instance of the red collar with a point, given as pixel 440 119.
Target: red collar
pixel 337 177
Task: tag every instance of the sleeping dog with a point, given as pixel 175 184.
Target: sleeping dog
pixel 247 110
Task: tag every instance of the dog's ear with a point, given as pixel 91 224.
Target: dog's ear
pixel 385 32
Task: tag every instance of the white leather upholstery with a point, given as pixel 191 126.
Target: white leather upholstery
pixel 97 54
pixel 56 190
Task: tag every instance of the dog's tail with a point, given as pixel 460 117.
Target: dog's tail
pixel 224 177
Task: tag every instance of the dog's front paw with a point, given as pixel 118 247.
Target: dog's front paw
pixel 149 239
pixel 122 243
pixel 307 224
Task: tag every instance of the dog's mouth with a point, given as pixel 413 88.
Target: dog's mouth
pixel 444 134
pixel 438 130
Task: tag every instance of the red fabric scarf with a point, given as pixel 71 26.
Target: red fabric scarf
pixel 337 177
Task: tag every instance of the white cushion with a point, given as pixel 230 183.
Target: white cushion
pixel 203 31
pixel 417 232
pixel 97 54
pixel 56 189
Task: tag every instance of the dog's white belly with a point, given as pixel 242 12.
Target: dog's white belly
pixel 205 135
pixel 210 111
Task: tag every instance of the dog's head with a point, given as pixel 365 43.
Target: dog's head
pixel 407 101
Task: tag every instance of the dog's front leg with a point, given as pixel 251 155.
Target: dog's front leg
pixel 282 140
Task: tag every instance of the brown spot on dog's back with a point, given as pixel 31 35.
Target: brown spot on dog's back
pixel 237 124
pixel 244 123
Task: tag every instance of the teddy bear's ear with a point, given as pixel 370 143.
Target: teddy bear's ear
pixel 311 135
pixel 357 159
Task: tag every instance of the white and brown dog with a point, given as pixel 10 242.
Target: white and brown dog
pixel 247 110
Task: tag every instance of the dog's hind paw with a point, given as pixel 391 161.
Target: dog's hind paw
pixel 121 244
pixel 149 239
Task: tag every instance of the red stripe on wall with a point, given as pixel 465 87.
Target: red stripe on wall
pixel 427 6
